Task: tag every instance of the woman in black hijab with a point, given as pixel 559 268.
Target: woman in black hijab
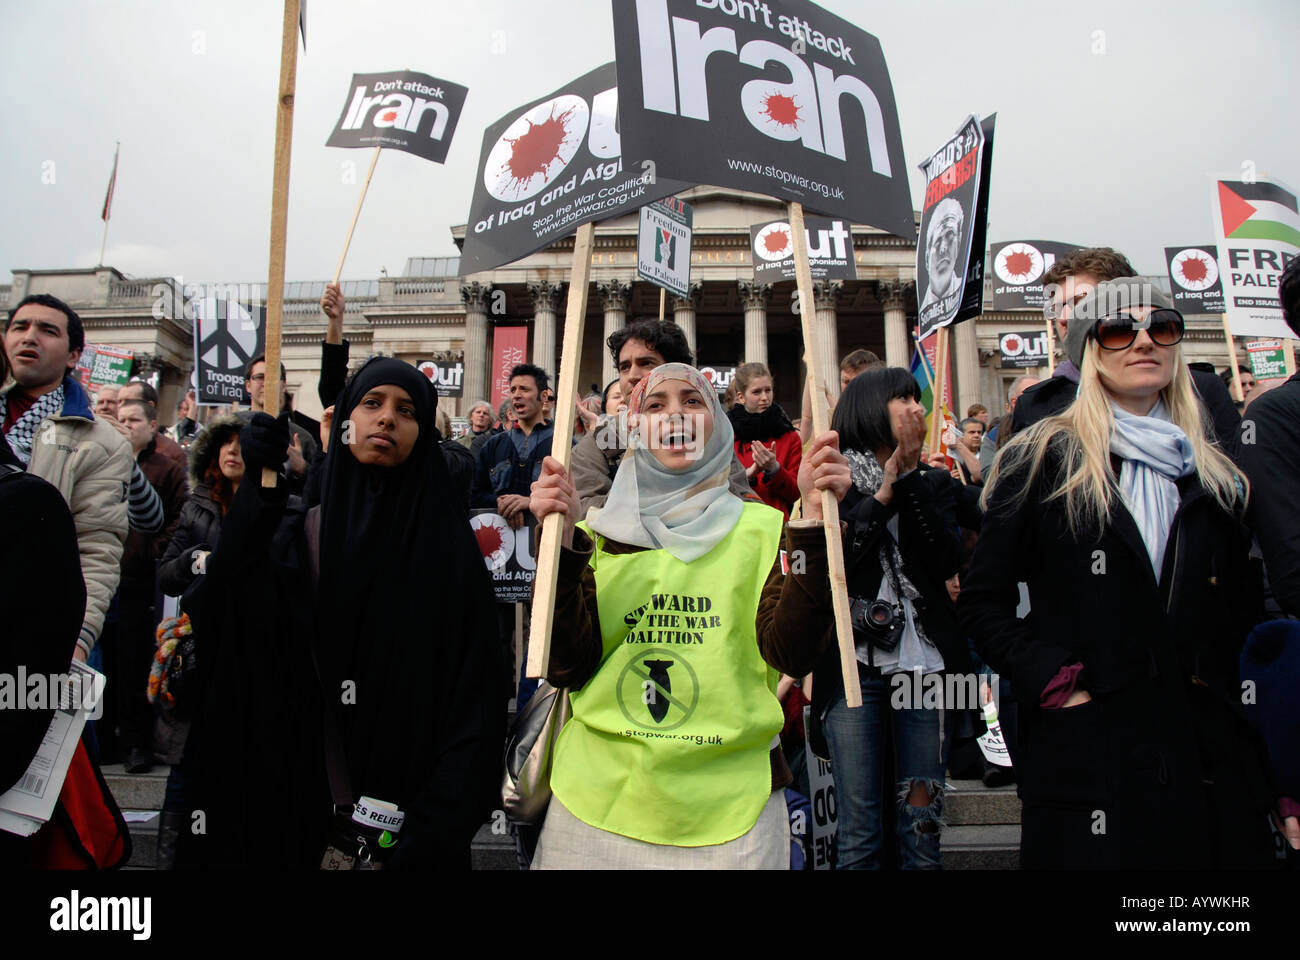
pixel 356 637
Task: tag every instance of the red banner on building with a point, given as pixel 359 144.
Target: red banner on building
pixel 509 348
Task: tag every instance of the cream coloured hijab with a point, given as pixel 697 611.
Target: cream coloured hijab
pixel 686 512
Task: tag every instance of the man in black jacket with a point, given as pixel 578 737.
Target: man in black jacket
pixel 1066 283
pixel 1270 455
pixel 511 461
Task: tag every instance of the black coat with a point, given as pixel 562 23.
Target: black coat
pixel 262 718
pixel 38 550
pixel 199 527
pixel 1270 455
pixel 927 539
pixel 1053 395
pixel 1160 769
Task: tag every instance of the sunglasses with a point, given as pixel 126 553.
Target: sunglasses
pixel 1164 326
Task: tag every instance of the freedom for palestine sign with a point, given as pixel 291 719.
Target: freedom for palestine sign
pixel 783 99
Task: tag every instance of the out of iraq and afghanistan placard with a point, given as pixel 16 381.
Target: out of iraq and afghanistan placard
pixel 227 335
pixel 1018 269
pixel 446 372
pixel 507 553
pixel 786 100
pixel 950 251
pixel 1257 230
pixel 551 166
pixel 663 249
pixel 401 110
pixel 1194 278
pixel 830 250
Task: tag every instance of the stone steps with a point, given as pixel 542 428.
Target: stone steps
pixel 983 831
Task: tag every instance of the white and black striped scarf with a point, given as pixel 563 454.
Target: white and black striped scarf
pixel 22 434
pixel 868 475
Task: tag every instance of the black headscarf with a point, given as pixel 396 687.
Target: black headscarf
pixel 768 425
pixel 403 594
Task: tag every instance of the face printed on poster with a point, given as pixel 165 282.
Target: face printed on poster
pixel 950 254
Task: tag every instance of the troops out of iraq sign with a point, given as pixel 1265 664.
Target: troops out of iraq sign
pixel 1257 230
pixel 830 250
pixel 400 110
pixel 663 250
pixel 783 99
pixel 227 336
pixel 1018 269
pixel 551 166
pixel 950 250
pixel 1194 278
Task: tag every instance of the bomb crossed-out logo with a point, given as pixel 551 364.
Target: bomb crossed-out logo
pixel 658 689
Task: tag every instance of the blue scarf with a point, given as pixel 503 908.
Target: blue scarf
pixel 1155 453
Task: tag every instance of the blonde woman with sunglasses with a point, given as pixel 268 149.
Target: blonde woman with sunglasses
pixel 1124 521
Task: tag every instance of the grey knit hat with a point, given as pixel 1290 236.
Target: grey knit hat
pixel 1104 300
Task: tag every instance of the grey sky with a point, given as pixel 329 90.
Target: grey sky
pixel 1112 147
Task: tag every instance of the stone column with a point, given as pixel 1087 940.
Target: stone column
pixel 825 293
pixel 754 296
pixel 475 297
pixel 615 297
pixel 545 298
pixel 684 315
pixel 965 350
pixel 892 294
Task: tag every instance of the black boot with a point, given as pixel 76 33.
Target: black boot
pixel 170 824
pixel 138 760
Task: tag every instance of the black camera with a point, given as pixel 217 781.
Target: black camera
pixel 878 622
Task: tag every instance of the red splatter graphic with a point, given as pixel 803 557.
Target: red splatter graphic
pixel 781 109
pixel 388 116
pixel 489 539
pixel 1018 264
pixel 1195 270
pixel 533 152
pixel 1012 343
pixel 776 241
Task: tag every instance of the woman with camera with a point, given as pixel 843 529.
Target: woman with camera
pixel 900 547
pixel 1124 520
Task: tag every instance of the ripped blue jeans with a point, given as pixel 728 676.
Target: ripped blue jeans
pixel 858 739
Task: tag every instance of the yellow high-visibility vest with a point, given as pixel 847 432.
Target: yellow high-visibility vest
pixel 669 740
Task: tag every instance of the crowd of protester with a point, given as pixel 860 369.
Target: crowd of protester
pixel 1115 557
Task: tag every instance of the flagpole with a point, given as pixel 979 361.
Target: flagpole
pixel 108 203
pixel 103 240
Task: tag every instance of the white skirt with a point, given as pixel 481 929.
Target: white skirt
pixel 567 843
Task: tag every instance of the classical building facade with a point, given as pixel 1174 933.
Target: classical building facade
pixel 433 310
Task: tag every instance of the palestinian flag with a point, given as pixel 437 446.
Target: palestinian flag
pixel 1258 211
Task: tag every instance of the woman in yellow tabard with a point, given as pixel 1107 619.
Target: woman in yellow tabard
pixel 673 619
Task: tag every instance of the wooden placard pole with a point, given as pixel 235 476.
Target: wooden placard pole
pixel 280 214
pixel 548 552
pixel 338 271
pixel 940 385
pixel 1232 358
pixel 821 423
pixel 1288 353
pixel 663 297
pixel 1051 348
